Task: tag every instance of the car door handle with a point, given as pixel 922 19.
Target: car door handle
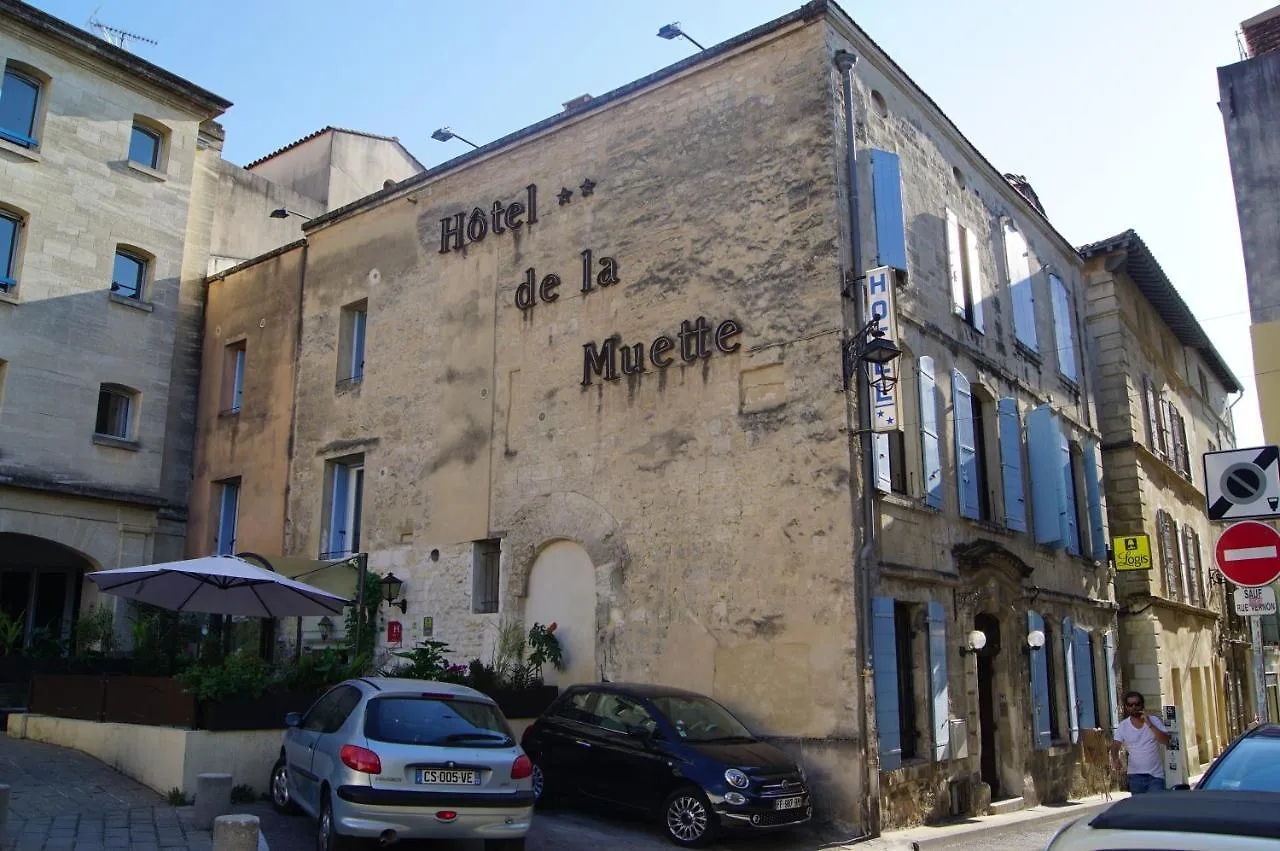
pixel 584 744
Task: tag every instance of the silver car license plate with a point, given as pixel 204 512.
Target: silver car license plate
pixel 788 803
pixel 449 777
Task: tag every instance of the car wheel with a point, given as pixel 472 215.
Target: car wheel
pixel 281 800
pixel 688 819
pixel 544 796
pixel 327 836
pixel 504 844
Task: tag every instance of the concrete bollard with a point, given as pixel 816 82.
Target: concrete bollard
pixel 213 798
pixel 4 811
pixel 235 833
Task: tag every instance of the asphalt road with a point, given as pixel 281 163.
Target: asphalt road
pixel 1028 836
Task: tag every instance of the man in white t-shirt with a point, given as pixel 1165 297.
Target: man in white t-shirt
pixel 1142 734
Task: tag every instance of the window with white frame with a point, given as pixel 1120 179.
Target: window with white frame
pixel 116 412
pixel 20 106
pixel 233 377
pixel 351 340
pixel 345 506
pixel 486 563
pixel 228 493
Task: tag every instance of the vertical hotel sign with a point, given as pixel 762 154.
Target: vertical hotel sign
pixel 880 302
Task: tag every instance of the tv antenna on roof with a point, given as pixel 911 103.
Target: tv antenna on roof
pixel 120 38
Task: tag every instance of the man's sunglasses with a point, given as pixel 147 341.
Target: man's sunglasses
pixel 1132 705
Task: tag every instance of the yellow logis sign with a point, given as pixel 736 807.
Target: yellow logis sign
pixel 1132 552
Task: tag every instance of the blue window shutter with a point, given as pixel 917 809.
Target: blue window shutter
pixel 884 664
pixel 938 680
pixel 1084 680
pixel 1067 498
pixel 1015 502
pixel 974 264
pixel 1043 448
pixel 338 509
pixel 1018 262
pixel 966 454
pixel 1109 659
pixel 1069 657
pixel 880 443
pixel 929 448
pixel 1063 328
pixel 1093 493
pixel 955 265
pixel 886 188
pixel 1041 734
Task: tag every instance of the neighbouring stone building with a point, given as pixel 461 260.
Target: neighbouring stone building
pixel 1164 400
pixel 596 372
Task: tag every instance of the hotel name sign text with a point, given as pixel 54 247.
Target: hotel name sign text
pixel 609 359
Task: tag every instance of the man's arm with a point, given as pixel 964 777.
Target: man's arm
pixel 1115 754
pixel 1157 729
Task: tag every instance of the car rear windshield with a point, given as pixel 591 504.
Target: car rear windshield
pixel 1253 765
pixel 436 721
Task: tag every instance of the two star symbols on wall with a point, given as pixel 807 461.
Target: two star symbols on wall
pixel 565 195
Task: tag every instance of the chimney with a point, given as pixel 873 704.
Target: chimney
pixel 580 100
pixel 1262 33
pixel 1020 183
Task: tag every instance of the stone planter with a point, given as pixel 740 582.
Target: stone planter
pixel 246 712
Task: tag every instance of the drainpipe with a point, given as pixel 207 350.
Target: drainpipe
pixel 863 563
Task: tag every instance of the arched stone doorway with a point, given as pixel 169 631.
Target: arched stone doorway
pixel 562 590
pixel 40 582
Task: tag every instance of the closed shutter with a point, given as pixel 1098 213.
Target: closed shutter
pixel 1202 591
pixel 1189 565
pixel 1015 503
pixel 975 278
pixel 1040 715
pixel 929 449
pixel 1063 328
pixel 955 265
pixel 1184 452
pixel 938 681
pixel 1109 659
pixel 1067 507
pixel 1093 496
pixel 884 471
pixel 1069 657
pixel 966 453
pixel 1084 680
pixel 1044 450
pixel 1149 413
pixel 1018 261
pixel 1166 439
pixel 884 663
pixel 1166 531
pixel 886 188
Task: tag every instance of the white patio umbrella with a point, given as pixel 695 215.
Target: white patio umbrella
pixel 220 585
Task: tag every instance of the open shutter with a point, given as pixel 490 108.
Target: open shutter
pixel 1063 329
pixel 955 265
pixel 1202 595
pixel 929 449
pixel 1018 262
pixel 966 454
pixel 1015 502
pixel 1069 657
pixel 1093 495
pixel 938 681
pixel 1190 568
pixel 975 278
pixel 1180 435
pixel 886 189
pixel 1084 680
pixel 1067 505
pixel 884 662
pixel 1149 413
pixel 1040 714
pixel 1166 557
pixel 1162 421
pixel 884 478
pixel 1044 448
pixel 1109 659
pixel 338 510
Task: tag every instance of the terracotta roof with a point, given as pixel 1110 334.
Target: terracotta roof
pixel 1141 265
pixel 331 129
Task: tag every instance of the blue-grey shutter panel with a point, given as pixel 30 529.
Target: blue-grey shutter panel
pixel 1069 657
pixel 1018 262
pixel 1043 447
pixel 1063 330
pixel 886 188
pixel 929 448
pixel 966 454
pixel 1109 659
pixel 880 445
pixel 938 680
pixel 1093 493
pixel 1040 714
pixel 1085 681
pixel 338 511
pixel 1015 501
pixel 884 666
pixel 1067 506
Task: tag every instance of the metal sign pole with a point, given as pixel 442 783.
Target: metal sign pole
pixel 363 558
pixel 1259 669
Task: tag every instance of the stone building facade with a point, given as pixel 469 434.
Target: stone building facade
pixel 1164 396
pixel 597 372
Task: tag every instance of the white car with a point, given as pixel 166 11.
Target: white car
pixel 1186 821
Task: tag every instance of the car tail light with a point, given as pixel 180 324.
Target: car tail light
pixel 521 768
pixel 446 815
pixel 361 759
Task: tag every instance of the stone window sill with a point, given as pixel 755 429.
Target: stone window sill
pixel 154 174
pixel 116 442
pixel 25 153
pixel 349 385
pixel 9 297
pixel 136 304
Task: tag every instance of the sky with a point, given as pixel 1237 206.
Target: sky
pixel 1108 107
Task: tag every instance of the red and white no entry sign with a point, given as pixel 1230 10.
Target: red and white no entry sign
pixel 1248 554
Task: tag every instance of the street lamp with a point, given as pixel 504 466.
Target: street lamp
pixel 673 31
pixel 870 347
pixel 285 212
pixel 444 134
pixel 391 587
pixel 974 641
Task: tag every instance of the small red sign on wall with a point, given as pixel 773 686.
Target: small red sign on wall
pixel 394 632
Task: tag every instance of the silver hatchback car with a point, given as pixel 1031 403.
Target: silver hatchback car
pixel 391 759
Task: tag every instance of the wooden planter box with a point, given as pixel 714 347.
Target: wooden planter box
pixel 245 712
pixel 524 703
pixel 158 701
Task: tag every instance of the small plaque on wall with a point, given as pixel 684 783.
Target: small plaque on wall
pixel 428 627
